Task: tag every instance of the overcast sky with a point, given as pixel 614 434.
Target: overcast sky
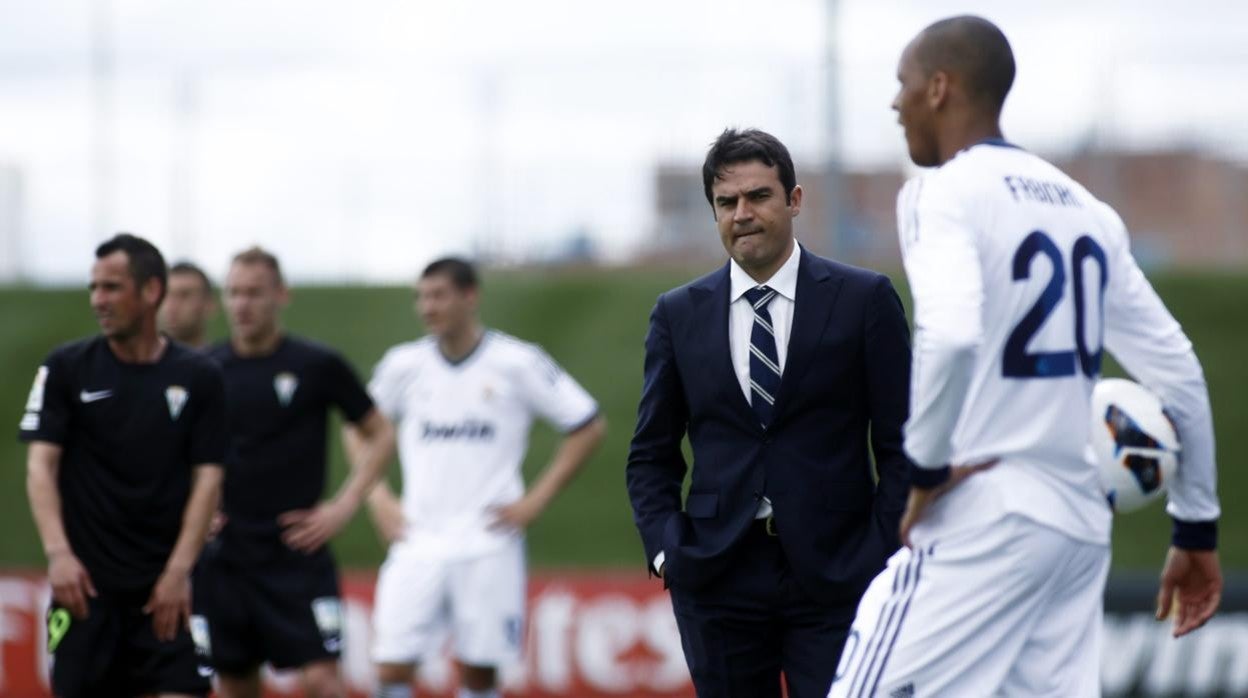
pixel 360 139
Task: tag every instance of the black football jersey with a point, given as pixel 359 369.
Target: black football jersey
pixel 130 435
pixel 279 408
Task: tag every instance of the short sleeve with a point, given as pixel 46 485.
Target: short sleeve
pixel 210 434
pixel 49 403
pixel 554 395
pixel 346 390
pixel 389 380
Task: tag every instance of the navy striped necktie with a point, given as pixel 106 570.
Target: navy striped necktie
pixel 764 361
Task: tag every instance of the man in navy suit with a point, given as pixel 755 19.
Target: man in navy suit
pixel 787 372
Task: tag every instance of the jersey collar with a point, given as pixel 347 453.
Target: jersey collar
pixel 456 363
pixel 997 142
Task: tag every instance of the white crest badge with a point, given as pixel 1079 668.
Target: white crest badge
pixel 285 384
pixel 175 396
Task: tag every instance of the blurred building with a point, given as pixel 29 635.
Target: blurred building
pixel 1183 208
pixel 685 225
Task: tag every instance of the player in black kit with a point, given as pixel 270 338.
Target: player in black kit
pixel 127 436
pixel 267 585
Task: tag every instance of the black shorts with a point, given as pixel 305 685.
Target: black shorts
pixel 285 611
pixel 114 652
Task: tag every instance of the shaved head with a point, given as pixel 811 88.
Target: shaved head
pixel 974 52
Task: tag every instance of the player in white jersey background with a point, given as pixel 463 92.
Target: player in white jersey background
pixel 463 399
pixel 1021 279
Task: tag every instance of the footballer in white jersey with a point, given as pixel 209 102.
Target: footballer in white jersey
pixel 463 430
pixel 463 400
pixel 1022 280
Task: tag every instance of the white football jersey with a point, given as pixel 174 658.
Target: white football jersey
pixel 1021 278
pixel 463 429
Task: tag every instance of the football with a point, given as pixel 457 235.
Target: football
pixel 1134 443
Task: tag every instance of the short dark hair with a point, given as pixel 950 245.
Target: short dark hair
pixel 144 260
pixel 461 272
pixel 258 255
pixel 973 48
pixel 185 267
pixel 735 146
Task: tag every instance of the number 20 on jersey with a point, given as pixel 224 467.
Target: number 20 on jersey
pixel 1017 361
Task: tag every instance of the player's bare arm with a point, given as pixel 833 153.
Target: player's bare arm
pixel 170 602
pixel 71 584
pixel 309 529
pixel 573 451
pixel 386 511
pixel 383 506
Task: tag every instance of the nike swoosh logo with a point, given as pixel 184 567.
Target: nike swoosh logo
pixel 205 671
pixel 92 396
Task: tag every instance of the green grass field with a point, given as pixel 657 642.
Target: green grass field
pixel 593 322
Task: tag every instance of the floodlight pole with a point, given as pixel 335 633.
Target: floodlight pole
pixel 102 164
pixel 833 194
pixel 182 164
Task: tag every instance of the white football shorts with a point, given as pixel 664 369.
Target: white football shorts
pixel 1011 609
pixel 478 601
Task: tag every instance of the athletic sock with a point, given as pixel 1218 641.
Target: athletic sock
pixel 394 690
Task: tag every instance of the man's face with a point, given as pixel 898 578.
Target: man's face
pixel 914 111
pixel 444 308
pixel 253 300
pixel 754 219
pixel 117 301
pixel 187 306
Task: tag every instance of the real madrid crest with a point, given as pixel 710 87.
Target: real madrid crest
pixel 285 384
pixel 175 397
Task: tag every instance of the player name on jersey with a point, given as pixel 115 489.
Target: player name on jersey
pixel 1041 191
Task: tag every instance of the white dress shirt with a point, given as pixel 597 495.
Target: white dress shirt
pixel 741 325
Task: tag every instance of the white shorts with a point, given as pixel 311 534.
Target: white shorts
pixel 479 601
pixel 1012 609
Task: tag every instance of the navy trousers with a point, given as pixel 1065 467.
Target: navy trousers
pixel 753 624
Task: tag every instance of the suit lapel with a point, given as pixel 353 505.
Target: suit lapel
pixel 710 302
pixel 817 289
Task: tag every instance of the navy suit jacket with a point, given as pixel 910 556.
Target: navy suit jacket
pixel 845 387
